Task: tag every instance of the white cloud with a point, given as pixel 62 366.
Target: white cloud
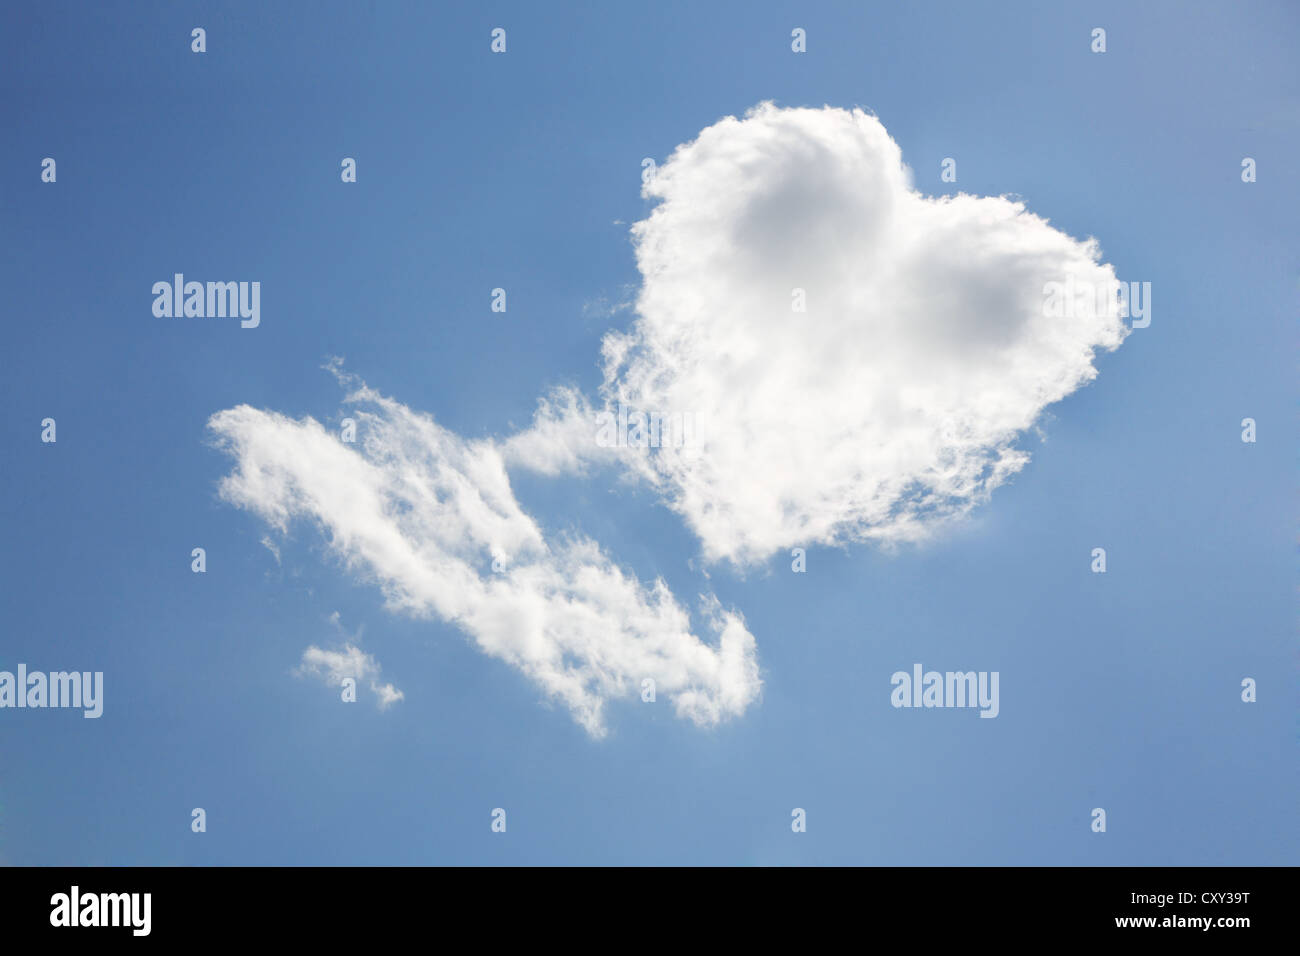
pixel 425 514
pixel 606 307
pixel 894 403
pixel 334 666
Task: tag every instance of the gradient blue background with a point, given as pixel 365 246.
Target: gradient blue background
pixel 476 171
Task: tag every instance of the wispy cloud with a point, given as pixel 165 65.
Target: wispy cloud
pixel 426 514
pixel 335 666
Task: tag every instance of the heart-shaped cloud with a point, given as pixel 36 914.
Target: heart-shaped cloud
pixel 893 400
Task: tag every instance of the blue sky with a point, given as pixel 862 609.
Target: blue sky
pixel 523 171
